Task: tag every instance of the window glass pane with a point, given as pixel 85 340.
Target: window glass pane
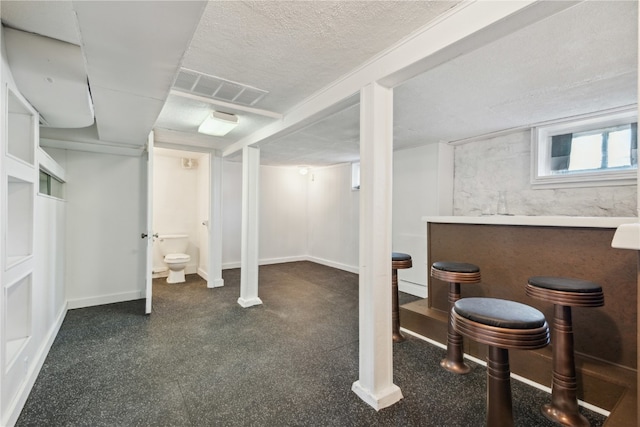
pixel 620 148
pixel 586 152
pixel 56 188
pixel 355 176
pixel 44 183
pixel 50 185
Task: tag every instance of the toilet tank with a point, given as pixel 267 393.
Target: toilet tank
pixel 173 243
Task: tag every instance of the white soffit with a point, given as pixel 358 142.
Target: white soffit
pixel 51 75
pixel 133 51
pixel 54 19
pixel 335 139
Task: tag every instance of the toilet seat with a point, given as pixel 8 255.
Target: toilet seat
pixel 176 258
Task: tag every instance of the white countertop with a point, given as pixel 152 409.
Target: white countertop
pixel 549 221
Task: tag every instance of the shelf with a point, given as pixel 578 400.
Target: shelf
pixel 17 170
pixel 12 261
pixel 20 219
pixel 17 307
pixel 20 129
pixel 14 348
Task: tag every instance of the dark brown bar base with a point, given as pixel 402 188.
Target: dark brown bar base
pixel 605 337
pixel 604 385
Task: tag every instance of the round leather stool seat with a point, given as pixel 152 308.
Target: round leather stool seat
pixel 458 272
pixel 502 325
pixel 398 260
pixel 565 291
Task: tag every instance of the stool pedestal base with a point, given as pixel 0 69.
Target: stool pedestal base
pixel 563 408
pixel 500 408
pixel 454 361
pixel 396 335
pixel 565 418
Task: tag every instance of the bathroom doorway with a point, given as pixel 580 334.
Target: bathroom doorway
pixel 181 202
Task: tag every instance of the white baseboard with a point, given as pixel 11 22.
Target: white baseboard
pixel 214 283
pixel 412 288
pixel 267 261
pixel 328 263
pixel 245 303
pixel 14 409
pixel 103 299
pixel 230 265
pixel 380 400
pixel 281 260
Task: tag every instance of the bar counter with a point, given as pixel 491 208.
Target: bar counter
pixel 509 250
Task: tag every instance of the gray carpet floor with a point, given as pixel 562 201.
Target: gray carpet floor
pixel 202 360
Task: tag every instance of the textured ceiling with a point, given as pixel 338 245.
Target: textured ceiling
pixel 580 60
pixel 291 49
pixel 294 48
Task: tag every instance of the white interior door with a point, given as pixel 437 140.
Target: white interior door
pixel 149 232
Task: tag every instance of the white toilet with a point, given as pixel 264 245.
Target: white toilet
pixel 174 248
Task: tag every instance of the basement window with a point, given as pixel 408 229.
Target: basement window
pixel 355 176
pixel 50 185
pixel 586 152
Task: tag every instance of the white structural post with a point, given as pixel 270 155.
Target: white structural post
pixel 215 223
pixel 250 211
pixel 375 384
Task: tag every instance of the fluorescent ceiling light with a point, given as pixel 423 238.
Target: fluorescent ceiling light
pixel 218 124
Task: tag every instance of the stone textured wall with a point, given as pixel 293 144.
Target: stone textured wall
pixel 503 163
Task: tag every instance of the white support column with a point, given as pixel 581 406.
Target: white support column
pixel 215 223
pixel 250 211
pixel 375 385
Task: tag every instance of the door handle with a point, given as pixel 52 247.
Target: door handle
pixel 144 235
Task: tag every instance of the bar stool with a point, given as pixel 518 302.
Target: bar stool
pixel 502 325
pixel 564 293
pixel 454 273
pixel 398 260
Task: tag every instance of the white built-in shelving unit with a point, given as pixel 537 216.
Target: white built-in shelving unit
pixel 19 179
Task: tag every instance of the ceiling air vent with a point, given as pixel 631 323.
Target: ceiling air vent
pixel 214 87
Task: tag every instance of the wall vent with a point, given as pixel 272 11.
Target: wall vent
pixel 217 88
pixel 189 163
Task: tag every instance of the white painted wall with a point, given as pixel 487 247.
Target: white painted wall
pixel 333 217
pixel 231 213
pixel 105 217
pixel 176 204
pixel 422 184
pixel 283 217
pixel 49 294
pixel 485 166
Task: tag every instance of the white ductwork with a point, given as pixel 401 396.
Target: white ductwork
pixel 51 74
